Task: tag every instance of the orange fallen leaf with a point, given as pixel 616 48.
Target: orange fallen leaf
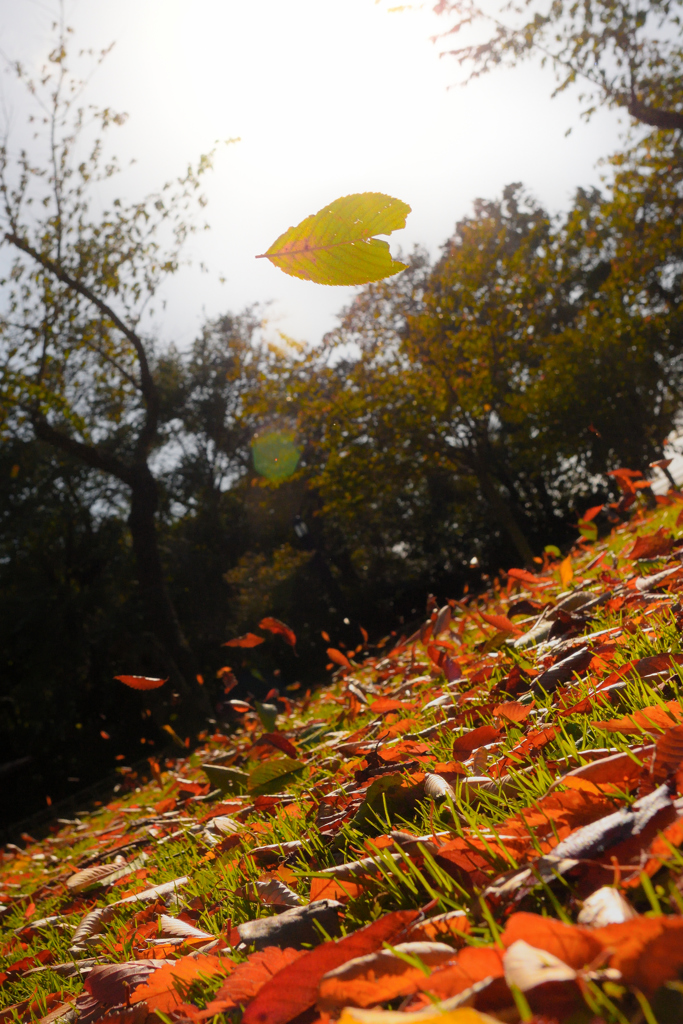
pixel 513 711
pixel 295 988
pixel 164 988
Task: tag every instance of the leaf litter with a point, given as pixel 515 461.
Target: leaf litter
pixel 483 822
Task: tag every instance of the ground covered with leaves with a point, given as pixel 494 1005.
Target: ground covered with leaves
pixel 485 821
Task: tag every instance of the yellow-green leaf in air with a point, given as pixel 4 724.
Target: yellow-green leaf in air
pixel 336 245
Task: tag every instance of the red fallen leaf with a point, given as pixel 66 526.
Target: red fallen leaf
pixel 536 739
pixel 651 718
pixel 469 741
pixel 276 739
pixel 295 989
pixel 655 545
pixel 527 577
pixel 647 950
pixel 501 623
pixel 45 956
pixel 333 889
pixel 162 990
pixel 167 804
pixel 554 817
pixel 248 640
pixel 337 657
pixel 30 910
pixel 572 944
pixel 142 682
pixel 279 628
pixel 668 753
pixel 656 664
pixel 658 853
pixel 513 711
pixel 248 978
pixel 619 769
pixel 383 704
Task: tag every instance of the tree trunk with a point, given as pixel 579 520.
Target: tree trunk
pixel 156 599
pixel 504 515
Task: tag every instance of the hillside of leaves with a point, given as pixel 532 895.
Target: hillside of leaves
pixel 484 821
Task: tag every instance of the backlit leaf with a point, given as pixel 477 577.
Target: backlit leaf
pixel 336 245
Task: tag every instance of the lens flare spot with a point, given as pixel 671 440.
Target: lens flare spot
pixel 276 454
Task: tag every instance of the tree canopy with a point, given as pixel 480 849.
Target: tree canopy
pixel 621 54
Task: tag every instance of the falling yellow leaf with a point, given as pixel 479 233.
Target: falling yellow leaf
pixel 566 571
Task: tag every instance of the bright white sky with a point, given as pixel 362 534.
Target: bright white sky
pixel 329 97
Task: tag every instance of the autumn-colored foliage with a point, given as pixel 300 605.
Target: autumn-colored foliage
pixel 503 830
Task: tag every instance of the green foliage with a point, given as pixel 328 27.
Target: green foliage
pixel 274 776
pixel 335 246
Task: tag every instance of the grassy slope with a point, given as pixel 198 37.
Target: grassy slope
pixel 159 826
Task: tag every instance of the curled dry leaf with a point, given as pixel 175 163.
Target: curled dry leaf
pixel 225 825
pixel 92 924
pixel 605 906
pixel 381 976
pixel 141 682
pixel 90 876
pixel 272 893
pixel 175 927
pixel 437 788
pixel 526 966
pixel 157 892
pixel 294 928
pixel 269 855
pixel 113 983
pixel 355 869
